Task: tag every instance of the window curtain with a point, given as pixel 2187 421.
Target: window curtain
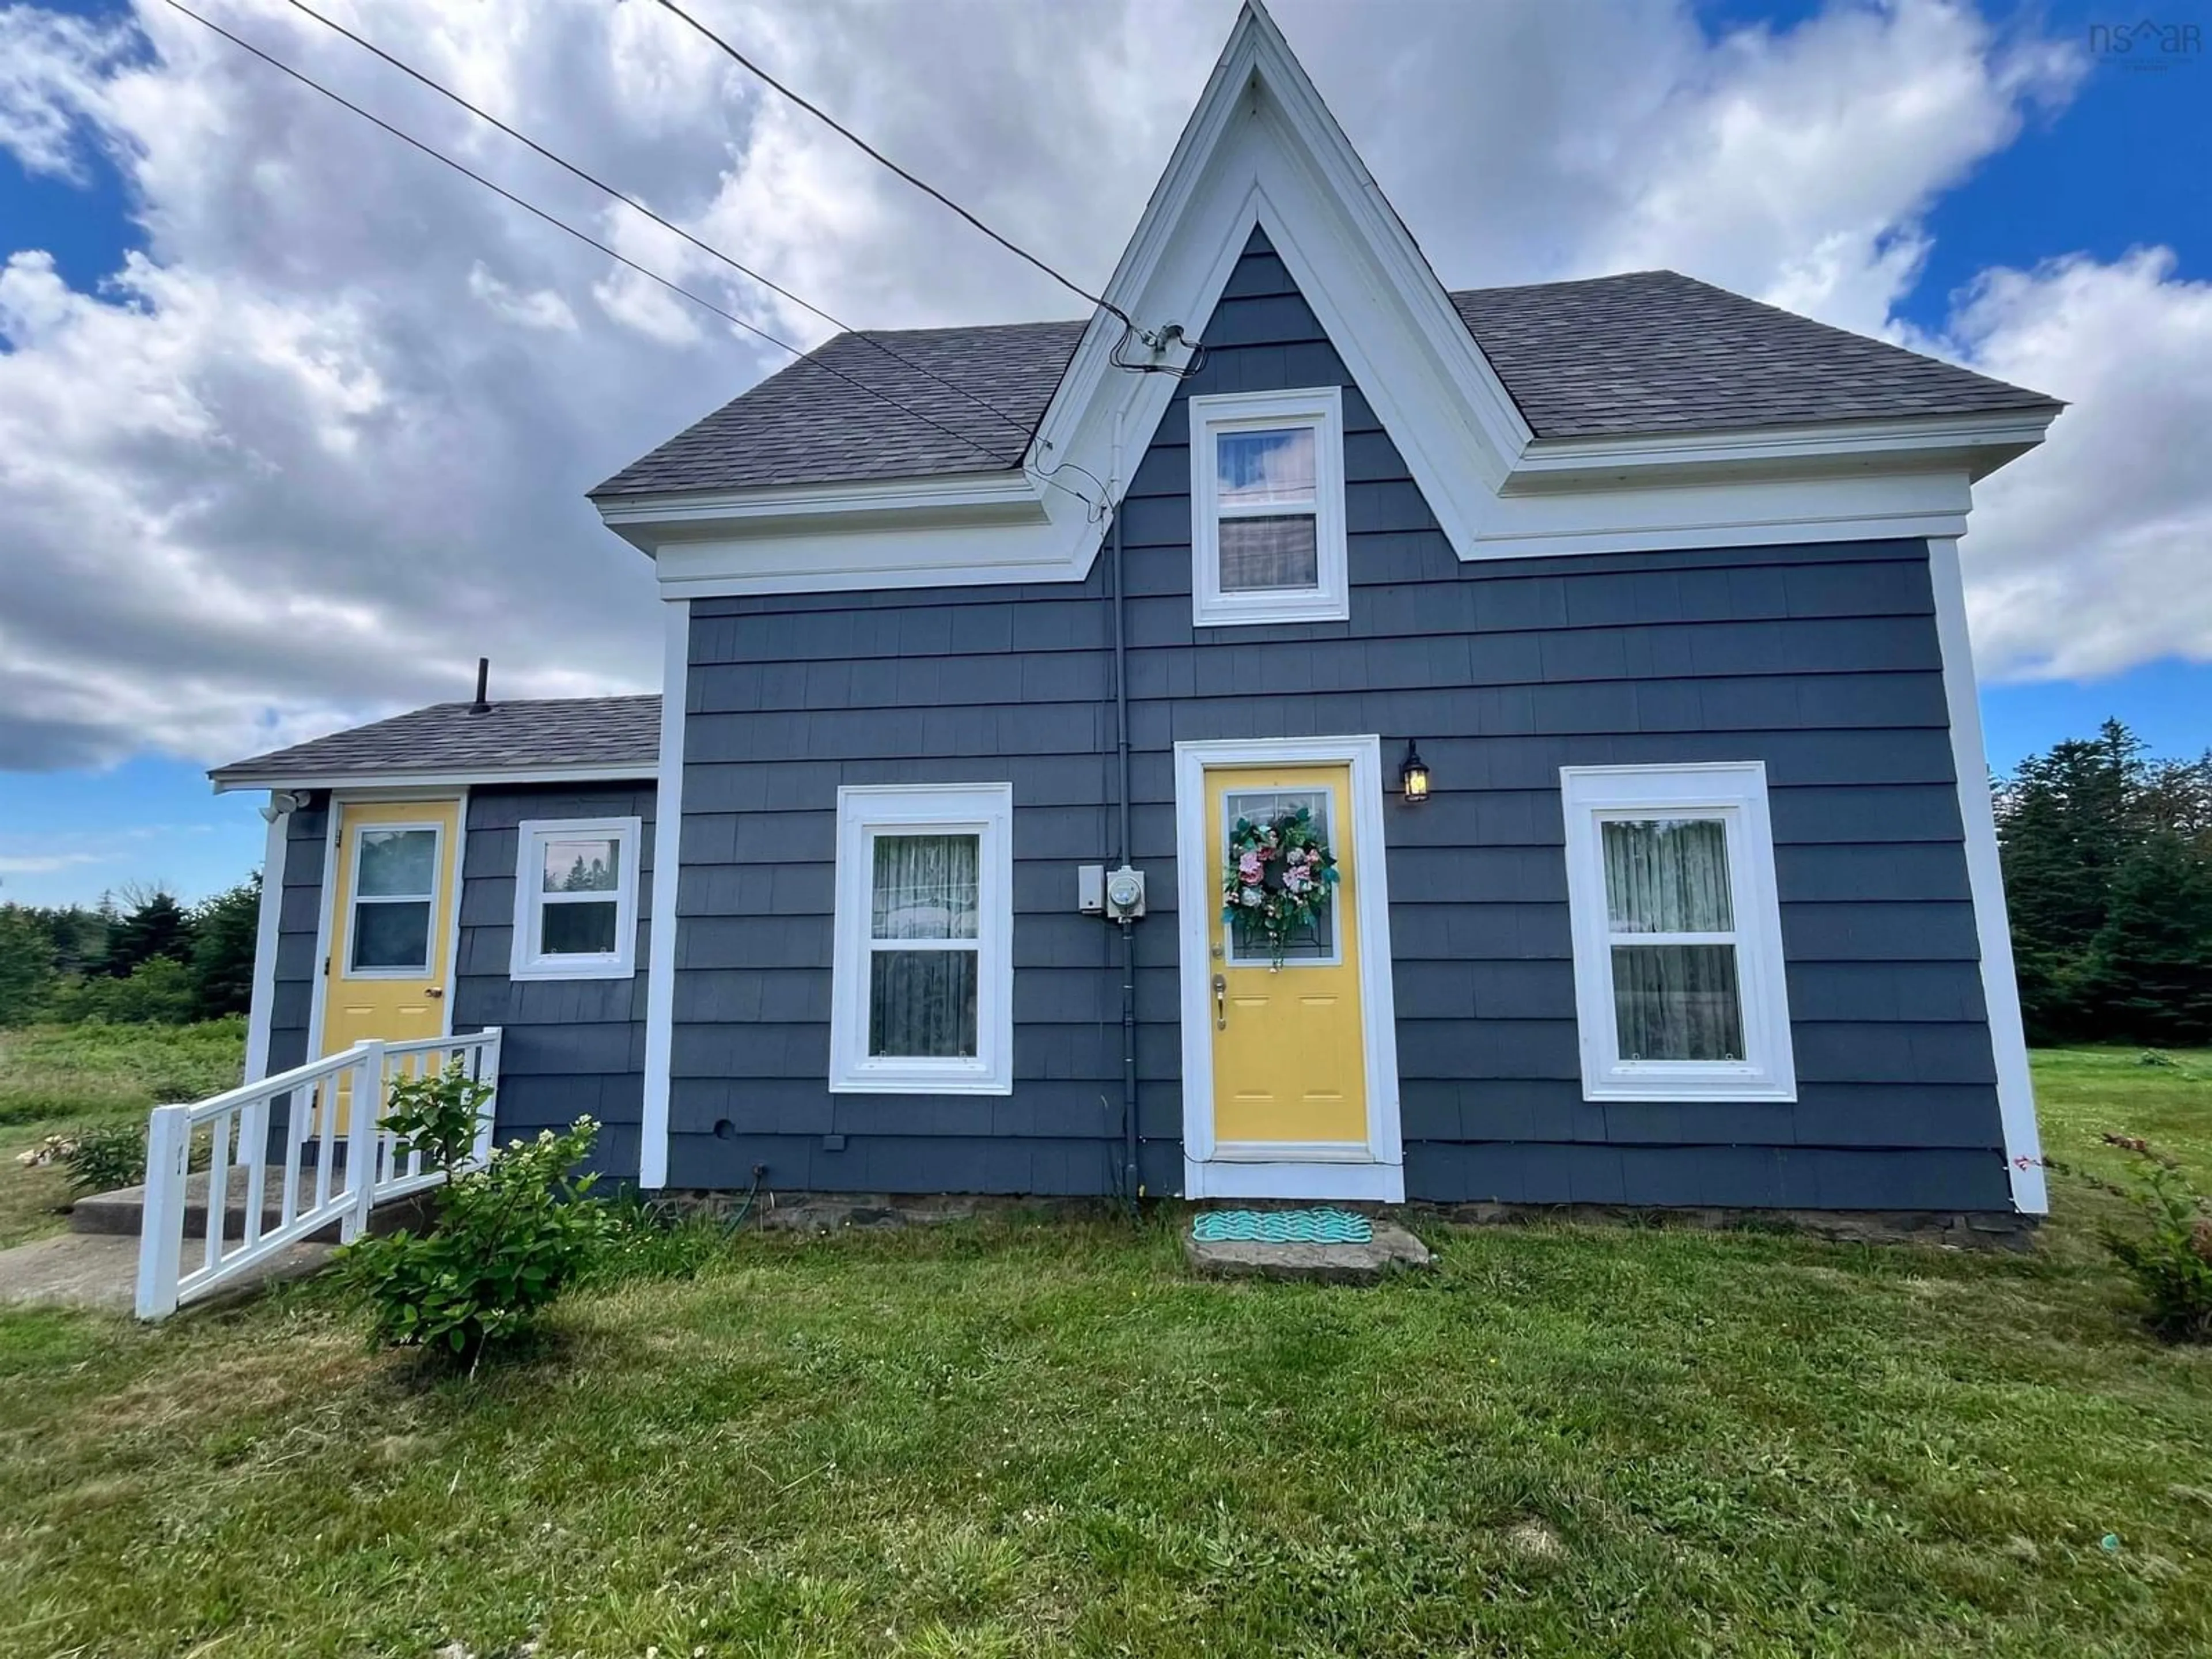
pixel 1276 551
pixel 921 1004
pixel 1667 876
pixel 1671 1001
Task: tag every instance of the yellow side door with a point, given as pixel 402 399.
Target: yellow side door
pixel 391 897
pixel 1289 1044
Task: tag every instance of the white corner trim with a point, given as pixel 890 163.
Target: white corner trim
pixel 1732 792
pixel 986 811
pixel 667 863
pixel 526 962
pixel 326 896
pixel 2023 1144
pixel 1209 1172
pixel 267 925
pixel 1317 410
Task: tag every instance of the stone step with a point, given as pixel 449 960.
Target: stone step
pixel 1388 1249
pixel 86 1270
pixel 124 1211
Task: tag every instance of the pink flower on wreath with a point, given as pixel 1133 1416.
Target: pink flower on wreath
pixel 1247 867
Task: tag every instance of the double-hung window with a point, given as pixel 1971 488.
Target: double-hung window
pixel 575 899
pixel 921 982
pixel 1679 983
pixel 1266 495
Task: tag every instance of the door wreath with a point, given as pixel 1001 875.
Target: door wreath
pixel 1279 879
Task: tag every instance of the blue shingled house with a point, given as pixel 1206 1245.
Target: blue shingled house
pixel 1302 732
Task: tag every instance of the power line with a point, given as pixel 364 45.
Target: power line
pixel 923 186
pixel 1027 428
pixel 584 237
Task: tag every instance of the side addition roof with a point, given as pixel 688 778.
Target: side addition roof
pixel 1647 353
pixel 616 736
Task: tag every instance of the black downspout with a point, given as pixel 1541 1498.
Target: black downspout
pixel 1129 1175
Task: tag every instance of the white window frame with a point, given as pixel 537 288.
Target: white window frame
pixel 1734 793
pixel 528 961
pixel 356 899
pixel 1321 409
pixel 863 811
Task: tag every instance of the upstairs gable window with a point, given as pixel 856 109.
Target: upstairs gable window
pixel 1267 539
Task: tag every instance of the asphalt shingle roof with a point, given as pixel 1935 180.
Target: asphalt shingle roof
pixel 1655 351
pixel 1649 352
pixel 446 736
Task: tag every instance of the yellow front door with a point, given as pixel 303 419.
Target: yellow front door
pixel 391 922
pixel 1289 1043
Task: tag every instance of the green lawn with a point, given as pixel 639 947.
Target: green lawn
pixel 1019 1439
pixel 55 1078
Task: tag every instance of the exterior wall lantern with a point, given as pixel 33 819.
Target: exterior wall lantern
pixel 1413 775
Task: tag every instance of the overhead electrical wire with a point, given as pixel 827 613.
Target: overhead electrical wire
pixel 1027 428
pixel 590 241
pixel 1157 341
pixel 922 185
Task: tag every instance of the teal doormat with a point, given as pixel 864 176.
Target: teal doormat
pixel 1281 1227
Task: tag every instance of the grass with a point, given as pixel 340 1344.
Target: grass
pixel 54 1077
pixel 1009 1439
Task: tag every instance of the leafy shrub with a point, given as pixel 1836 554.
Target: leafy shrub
pixel 2169 1256
pixel 508 1239
pixel 159 991
pixel 100 1158
pixel 106 1157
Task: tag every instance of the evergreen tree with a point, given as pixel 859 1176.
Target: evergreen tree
pixel 154 926
pixel 2149 976
pixel 2107 857
pixel 225 930
pixel 27 965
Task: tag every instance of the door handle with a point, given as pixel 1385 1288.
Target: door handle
pixel 434 990
pixel 1220 1003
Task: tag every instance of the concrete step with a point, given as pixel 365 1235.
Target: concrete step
pixel 86 1270
pixel 124 1212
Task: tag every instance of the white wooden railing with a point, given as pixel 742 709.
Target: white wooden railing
pixel 333 1166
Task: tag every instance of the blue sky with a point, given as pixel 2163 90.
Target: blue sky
pixel 2119 166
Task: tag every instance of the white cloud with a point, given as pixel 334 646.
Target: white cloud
pixel 2090 557
pixel 326 440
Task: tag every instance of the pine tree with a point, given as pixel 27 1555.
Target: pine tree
pixel 2149 977
pixel 225 930
pixel 154 926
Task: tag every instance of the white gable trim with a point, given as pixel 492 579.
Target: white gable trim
pixel 1261 150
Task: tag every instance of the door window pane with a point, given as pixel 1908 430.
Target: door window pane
pixel 590 864
pixel 576 930
pixel 924 887
pixel 1264 467
pixel 1277 551
pixel 921 1004
pixel 392 936
pixel 1677 1002
pixel 402 862
pixel 1666 876
pixel 1248 945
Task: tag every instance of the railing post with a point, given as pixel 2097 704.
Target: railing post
pixel 362 1129
pixel 161 1223
pixel 487 1071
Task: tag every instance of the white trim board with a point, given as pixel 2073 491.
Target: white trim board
pixel 1381 1175
pixel 526 964
pixel 985 810
pixel 1733 794
pixel 667 866
pixel 365 786
pixel 2023 1144
pixel 267 932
